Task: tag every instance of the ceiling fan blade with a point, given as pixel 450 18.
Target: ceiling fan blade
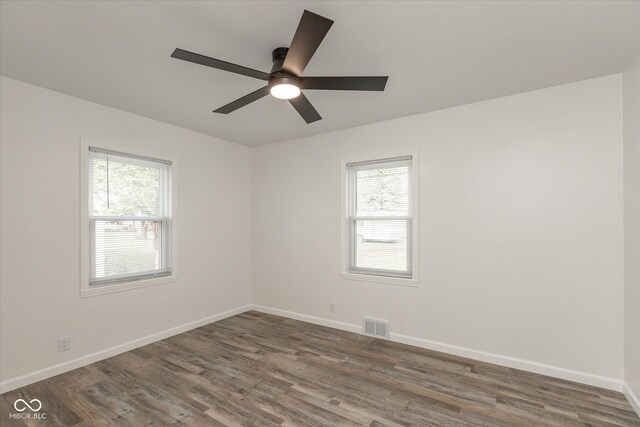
pixel 245 100
pixel 196 58
pixel 344 83
pixel 310 33
pixel 305 109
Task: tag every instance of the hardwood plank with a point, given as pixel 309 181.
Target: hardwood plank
pixel 256 369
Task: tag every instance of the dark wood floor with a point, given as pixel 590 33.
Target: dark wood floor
pixel 256 369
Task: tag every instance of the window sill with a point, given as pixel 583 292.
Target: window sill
pixel 121 287
pixel 380 279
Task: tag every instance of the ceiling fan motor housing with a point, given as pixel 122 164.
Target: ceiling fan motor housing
pixel 279 77
pixel 283 79
pixel 279 54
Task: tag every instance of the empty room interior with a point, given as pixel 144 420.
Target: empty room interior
pixel 320 213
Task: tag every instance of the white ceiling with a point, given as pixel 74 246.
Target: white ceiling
pixel 437 54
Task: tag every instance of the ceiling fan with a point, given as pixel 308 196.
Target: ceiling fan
pixel 285 80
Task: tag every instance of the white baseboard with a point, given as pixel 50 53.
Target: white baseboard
pixel 633 399
pixel 515 363
pixel 79 362
pixel 511 362
pixel 306 318
pixel 526 365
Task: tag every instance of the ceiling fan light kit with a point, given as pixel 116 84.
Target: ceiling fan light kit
pixel 284 87
pixel 285 80
pixel 285 90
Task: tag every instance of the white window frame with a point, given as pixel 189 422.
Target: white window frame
pixel 412 223
pixel 86 290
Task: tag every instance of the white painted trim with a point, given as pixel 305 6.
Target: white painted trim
pixel 48 372
pixel 380 279
pixel 109 289
pixel 85 289
pixel 539 368
pixel 311 319
pixel 510 362
pixel 513 362
pixel 415 216
pixel 633 399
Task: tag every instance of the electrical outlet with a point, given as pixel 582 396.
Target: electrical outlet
pixel 64 343
pixel 332 307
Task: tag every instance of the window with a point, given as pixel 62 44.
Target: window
pixel 379 217
pixel 129 203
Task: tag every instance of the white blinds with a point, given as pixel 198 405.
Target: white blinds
pixel 129 217
pixel 379 217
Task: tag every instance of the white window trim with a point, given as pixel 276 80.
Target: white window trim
pixel 344 222
pixel 85 290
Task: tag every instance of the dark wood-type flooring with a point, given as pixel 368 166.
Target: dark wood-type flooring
pixel 255 369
